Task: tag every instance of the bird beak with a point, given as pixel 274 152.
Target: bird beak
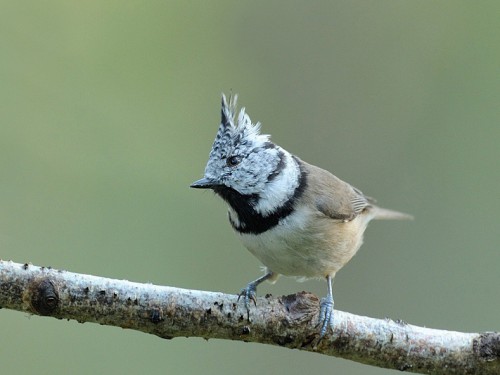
pixel 204 183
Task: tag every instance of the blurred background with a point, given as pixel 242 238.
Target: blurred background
pixel 108 111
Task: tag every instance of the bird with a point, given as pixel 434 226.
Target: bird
pixel 297 219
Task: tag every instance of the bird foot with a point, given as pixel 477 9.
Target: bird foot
pixel 249 293
pixel 325 315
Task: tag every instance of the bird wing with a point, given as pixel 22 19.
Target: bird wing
pixel 333 197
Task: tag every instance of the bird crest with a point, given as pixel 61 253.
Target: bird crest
pixel 235 131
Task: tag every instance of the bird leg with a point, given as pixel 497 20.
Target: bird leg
pixel 326 310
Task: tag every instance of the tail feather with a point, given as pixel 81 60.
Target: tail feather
pixel 386 214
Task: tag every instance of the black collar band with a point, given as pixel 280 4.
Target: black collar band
pixel 252 222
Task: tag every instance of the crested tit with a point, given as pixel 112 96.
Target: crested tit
pixel 296 218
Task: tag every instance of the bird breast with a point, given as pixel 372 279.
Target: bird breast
pixel 307 244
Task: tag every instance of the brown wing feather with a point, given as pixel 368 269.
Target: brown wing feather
pixel 332 196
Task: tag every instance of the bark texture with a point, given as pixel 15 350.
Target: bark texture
pixel 287 321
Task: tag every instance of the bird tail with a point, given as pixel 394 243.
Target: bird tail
pixel 385 214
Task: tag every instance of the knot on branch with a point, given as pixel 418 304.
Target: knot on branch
pixel 487 346
pixel 301 307
pixel 44 296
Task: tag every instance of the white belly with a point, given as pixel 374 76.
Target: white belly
pixel 297 248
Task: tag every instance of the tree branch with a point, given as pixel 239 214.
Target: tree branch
pixel 288 321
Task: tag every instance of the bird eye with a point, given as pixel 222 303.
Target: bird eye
pixel 233 161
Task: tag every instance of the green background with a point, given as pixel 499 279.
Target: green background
pixel 108 110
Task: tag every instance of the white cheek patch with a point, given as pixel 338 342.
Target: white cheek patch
pixel 278 191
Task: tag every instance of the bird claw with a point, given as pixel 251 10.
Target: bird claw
pixel 325 315
pixel 249 293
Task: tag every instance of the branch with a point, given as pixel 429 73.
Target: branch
pixel 288 321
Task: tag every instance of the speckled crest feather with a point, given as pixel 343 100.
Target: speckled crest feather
pixel 233 130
